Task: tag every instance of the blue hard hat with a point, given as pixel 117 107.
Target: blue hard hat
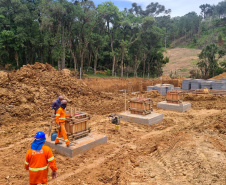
pixel 40 135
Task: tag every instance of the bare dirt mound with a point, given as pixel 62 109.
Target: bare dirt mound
pixel 2 74
pixel 28 93
pixel 185 148
pixel 218 77
pixel 114 85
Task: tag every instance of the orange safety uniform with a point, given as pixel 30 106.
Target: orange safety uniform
pixel 37 163
pixel 60 119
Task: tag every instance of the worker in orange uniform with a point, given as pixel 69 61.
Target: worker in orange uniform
pixel 38 158
pixel 60 120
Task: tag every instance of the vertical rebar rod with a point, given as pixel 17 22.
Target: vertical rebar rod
pixel 125 100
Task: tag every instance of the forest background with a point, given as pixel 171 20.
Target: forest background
pixel 83 37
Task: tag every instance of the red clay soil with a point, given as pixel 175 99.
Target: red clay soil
pixel 27 94
pixel 185 148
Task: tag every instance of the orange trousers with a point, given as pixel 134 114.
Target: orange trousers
pixel 62 132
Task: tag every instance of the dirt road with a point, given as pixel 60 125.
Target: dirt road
pixel 185 148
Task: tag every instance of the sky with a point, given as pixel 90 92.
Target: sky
pixel 178 7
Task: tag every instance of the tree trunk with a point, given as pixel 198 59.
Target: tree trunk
pixel 113 60
pixel 70 61
pixel 63 46
pixel 122 62
pixel 95 63
pixel 75 65
pixel 144 66
pixel 17 59
pixel 144 69
pixel 135 67
pixel 81 61
pixel 89 61
pixel 148 68
pixel 41 53
pixel 113 65
pixel 58 64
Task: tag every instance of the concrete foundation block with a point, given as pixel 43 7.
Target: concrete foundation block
pixel 150 88
pixel 182 107
pixel 186 84
pixel 149 119
pixel 177 88
pixel 196 84
pixel 219 85
pixel 81 145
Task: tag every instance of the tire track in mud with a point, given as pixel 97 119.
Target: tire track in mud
pixel 217 144
pixel 93 165
pixel 167 168
pixel 17 143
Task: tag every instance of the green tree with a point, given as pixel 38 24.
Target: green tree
pixel 112 17
pixel 208 59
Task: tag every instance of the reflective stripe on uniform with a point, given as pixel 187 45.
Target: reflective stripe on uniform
pixel 58 138
pixel 66 140
pixel 57 114
pixel 26 163
pixel 50 159
pixel 62 118
pixel 38 169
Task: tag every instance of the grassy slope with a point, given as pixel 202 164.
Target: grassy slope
pixel 182 60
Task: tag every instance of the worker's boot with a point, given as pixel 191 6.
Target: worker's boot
pixel 58 143
pixel 70 145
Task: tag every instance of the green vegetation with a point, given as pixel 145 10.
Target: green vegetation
pixel 79 35
pixel 76 34
pixel 208 61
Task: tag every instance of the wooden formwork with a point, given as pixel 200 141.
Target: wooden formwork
pixel 77 124
pixel 174 96
pixel 206 91
pixel 141 106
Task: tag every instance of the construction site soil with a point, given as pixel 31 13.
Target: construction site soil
pixel 185 148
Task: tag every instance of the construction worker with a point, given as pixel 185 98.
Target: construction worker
pixel 38 158
pixel 56 104
pixel 60 120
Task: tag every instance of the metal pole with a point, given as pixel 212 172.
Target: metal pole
pixel 125 100
pixel 161 88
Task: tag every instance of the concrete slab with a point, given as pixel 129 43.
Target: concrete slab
pixel 80 146
pixel 182 107
pixel 149 119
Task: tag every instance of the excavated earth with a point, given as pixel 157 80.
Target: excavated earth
pixel 185 148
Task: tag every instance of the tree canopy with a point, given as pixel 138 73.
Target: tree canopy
pixel 77 34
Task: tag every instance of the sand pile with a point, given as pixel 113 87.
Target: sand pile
pixel 114 85
pixel 28 93
pixel 165 77
pixel 2 74
pixel 223 75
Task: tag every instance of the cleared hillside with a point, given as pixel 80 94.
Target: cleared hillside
pixel 182 60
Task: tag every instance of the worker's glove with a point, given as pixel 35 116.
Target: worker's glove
pixel 54 175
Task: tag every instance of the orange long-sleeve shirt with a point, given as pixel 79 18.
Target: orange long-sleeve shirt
pixel 37 163
pixel 61 116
